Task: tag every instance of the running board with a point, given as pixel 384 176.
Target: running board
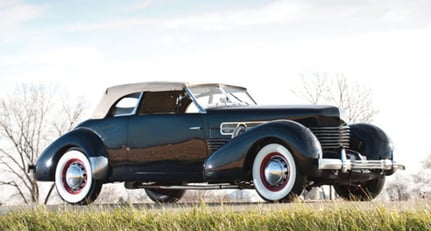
pixel 139 185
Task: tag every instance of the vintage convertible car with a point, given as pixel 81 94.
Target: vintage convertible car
pixel 170 137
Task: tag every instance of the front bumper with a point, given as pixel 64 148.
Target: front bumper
pixel 345 164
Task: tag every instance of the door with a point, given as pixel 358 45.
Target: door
pixel 167 147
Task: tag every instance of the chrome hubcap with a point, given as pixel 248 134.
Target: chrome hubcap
pixel 75 176
pixel 275 172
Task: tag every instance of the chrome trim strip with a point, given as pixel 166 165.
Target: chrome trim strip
pixel 332 138
pixel 228 128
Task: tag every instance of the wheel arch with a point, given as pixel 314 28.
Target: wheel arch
pixel 233 161
pixel 371 141
pixel 86 140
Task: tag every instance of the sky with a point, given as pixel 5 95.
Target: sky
pixel 87 46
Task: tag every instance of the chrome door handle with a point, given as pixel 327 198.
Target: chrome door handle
pixel 195 128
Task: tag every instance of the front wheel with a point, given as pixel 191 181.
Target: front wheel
pixel 165 195
pixel 366 191
pixel 74 179
pixel 276 176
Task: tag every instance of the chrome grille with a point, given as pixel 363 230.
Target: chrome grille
pixel 214 144
pixel 332 138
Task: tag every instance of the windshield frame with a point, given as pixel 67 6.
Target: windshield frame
pixel 229 92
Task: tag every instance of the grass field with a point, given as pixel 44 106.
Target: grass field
pixel 295 216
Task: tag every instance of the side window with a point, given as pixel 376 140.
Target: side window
pixel 164 102
pixel 126 105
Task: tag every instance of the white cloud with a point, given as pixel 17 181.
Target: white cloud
pixel 276 12
pixel 13 13
pixel 68 66
pixel 115 24
pixel 8 3
pixel 63 56
pixel 143 4
pixel 296 15
pixel 69 56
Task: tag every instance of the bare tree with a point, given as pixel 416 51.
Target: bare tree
pixel 355 99
pixel 398 190
pixel 25 120
pixel 422 180
pixel 68 114
pixel 22 118
pixel 314 88
pixel 351 97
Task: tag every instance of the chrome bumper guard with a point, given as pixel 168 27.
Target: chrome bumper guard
pixel 345 165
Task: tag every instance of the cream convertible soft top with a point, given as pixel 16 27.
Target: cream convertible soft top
pixel 114 93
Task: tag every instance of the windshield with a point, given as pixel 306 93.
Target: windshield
pixel 209 96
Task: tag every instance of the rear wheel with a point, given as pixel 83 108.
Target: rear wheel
pixel 363 192
pixel 165 195
pixel 74 179
pixel 275 174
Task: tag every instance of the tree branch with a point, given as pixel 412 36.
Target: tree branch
pixel 15 185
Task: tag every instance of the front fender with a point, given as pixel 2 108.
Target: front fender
pixel 83 138
pixel 233 160
pixel 370 141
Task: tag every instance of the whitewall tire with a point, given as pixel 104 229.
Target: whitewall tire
pixel 275 174
pixel 74 179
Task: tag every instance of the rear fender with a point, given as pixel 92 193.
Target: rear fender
pixel 370 141
pixel 233 161
pixel 82 138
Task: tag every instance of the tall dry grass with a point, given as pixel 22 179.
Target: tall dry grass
pixel 297 216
